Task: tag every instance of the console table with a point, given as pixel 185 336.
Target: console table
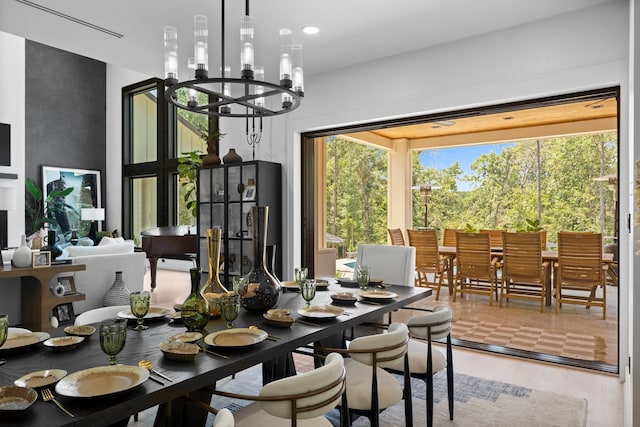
pixel 37 299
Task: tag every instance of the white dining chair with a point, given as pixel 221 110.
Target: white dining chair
pixel 99 314
pixel 394 265
pixel 300 400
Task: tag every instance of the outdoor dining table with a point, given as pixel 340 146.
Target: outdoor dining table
pixel 188 377
pixel 550 256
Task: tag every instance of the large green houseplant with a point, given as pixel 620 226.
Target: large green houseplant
pixel 188 166
pixel 43 211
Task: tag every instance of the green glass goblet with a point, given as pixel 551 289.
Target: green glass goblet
pixel 139 302
pixel 300 275
pixel 308 290
pixel 113 334
pixel 229 308
pixel 4 331
pixel 363 277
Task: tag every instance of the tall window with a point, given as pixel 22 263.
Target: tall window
pixel 154 136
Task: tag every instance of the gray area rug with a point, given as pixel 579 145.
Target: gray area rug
pixel 478 402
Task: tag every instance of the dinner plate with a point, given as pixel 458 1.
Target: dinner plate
pixel 236 337
pixel 378 295
pixel 321 312
pixel 347 283
pixel 344 298
pixel 63 343
pixel 290 286
pixel 40 378
pixel 186 337
pixel 23 340
pixel 154 313
pixel 101 381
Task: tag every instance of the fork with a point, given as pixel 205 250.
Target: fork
pixel 48 396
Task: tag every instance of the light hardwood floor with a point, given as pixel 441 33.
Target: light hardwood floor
pixel 604 392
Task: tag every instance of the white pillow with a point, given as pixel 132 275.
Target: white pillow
pixel 110 240
pixel 113 248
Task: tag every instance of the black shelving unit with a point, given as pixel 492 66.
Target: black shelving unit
pixel 225 198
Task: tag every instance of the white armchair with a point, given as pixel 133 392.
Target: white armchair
pixel 395 265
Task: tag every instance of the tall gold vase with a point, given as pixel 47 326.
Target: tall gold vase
pixel 214 288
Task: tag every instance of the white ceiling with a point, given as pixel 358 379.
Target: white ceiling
pixel 352 31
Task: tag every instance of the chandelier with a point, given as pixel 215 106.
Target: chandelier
pixel 248 96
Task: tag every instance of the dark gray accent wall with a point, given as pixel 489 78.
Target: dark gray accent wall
pixel 65 112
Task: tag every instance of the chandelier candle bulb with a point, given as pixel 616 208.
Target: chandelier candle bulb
pixel 171 55
pixel 201 46
pixel 246 50
pixel 298 75
pixel 285 58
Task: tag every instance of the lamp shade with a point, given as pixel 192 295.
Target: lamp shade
pixel 92 214
pixel 7 198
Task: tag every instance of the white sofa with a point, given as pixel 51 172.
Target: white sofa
pixel 101 263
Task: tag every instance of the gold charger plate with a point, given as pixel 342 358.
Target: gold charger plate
pixel 154 313
pixel 40 379
pixel 186 337
pixel 321 312
pixel 236 337
pixel 102 381
pixel 377 295
pixel 63 343
pixel 23 340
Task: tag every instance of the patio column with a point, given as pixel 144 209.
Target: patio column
pixel 399 186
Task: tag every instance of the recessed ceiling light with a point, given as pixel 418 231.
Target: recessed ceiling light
pixel 310 30
pixel 508 118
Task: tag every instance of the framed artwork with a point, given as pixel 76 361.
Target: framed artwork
pixel 41 259
pixel 85 194
pixel 64 313
pixel 249 193
pixel 68 284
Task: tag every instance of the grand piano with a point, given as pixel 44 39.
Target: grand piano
pixel 167 242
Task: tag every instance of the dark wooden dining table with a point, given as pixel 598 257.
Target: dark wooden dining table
pixel 187 377
pixel 550 256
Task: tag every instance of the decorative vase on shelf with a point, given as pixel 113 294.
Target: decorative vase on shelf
pixel 51 245
pixel 211 158
pixel 259 290
pixel 118 293
pixel 195 309
pixel 232 157
pixel 22 255
pixel 74 237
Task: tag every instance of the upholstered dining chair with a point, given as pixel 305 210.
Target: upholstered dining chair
pixel 428 260
pixel 475 269
pixel 580 269
pixel 370 388
pixel 99 314
pixel 394 265
pixel 524 275
pixel 300 400
pixel 424 360
pixel 396 236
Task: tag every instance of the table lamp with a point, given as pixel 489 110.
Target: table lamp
pixel 7 203
pixel 93 215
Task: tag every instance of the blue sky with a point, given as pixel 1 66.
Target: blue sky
pixel 442 158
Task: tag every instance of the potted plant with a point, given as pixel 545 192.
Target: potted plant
pixel 41 212
pixel 188 166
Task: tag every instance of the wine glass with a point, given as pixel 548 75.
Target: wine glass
pixel 113 334
pixel 300 275
pixel 4 331
pixel 363 277
pixel 308 290
pixel 139 302
pixel 229 308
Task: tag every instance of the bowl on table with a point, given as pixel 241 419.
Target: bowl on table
pixel 16 401
pixel 344 298
pixel 80 330
pixel 280 317
pixel 178 350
